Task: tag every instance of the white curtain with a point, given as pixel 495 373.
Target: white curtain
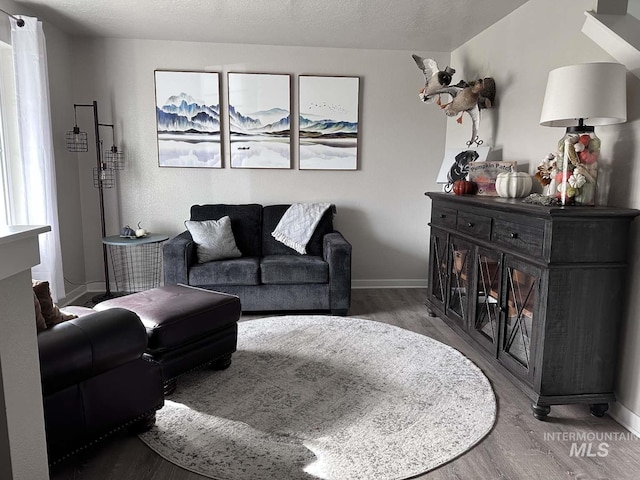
pixel 38 163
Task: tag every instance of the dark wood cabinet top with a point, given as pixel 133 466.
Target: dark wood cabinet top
pixel 516 205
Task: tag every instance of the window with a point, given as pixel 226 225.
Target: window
pixel 4 187
pixel 10 164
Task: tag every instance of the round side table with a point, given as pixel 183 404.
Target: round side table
pixel 136 262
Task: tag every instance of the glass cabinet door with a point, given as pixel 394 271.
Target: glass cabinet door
pixel 438 274
pixel 521 291
pixel 486 314
pixel 459 281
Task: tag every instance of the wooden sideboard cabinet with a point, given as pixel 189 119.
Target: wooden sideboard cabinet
pixel 540 291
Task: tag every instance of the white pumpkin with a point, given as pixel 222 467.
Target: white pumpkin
pixel 140 232
pixel 513 184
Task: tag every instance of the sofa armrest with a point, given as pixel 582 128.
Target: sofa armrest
pixel 177 256
pixel 337 253
pixel 78 349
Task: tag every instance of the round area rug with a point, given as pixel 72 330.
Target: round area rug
pixel 321 397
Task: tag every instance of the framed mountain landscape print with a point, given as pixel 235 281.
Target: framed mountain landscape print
pixel 188 119
pixel 328 126
pixel 259 120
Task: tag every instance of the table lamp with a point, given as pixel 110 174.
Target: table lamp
pixel 579 97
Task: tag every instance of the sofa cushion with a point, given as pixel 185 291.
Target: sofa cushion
pixel 271 215
pixel 293 269
pixel 237 271
pixel 246 223
pixel 214 239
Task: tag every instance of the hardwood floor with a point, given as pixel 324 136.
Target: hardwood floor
pixel 571 444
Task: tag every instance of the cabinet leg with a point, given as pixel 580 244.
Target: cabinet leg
pixel 599 409
pixel 540 412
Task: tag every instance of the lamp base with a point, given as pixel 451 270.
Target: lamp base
pixel 577 166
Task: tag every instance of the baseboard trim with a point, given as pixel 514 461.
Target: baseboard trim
pixel 625 417
pixel 96 287
pixel 390 283
pixel 73 295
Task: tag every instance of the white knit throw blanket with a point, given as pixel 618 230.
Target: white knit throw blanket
pixel 298 224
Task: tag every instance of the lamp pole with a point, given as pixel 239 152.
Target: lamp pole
pixel 99 165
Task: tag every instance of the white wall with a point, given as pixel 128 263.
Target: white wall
pixel 381 207
pixel 519 51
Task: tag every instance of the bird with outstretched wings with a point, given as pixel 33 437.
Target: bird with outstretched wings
pixel 434 78
pixel 465 97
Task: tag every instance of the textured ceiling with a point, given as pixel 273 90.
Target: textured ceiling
pixel 430 25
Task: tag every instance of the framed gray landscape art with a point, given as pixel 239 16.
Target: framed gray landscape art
pixel 259 120
pixel 328 124
pixel 188 119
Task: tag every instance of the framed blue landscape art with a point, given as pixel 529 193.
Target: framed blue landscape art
pixel 188 119
pixel 328 124
pixel 259 120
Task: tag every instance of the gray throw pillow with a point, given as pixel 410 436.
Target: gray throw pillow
pixel 214 239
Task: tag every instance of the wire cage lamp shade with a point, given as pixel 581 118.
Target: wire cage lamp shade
pixel 114 158
pixel 76 140
pixel 104 177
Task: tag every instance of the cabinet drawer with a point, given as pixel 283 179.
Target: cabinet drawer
pixel 524 238
pixel 443 216
pixel 476 225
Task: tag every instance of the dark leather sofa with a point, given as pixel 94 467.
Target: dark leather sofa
pixel 95 380
pixel 269 275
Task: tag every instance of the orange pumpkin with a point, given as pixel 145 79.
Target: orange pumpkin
pixel 464 187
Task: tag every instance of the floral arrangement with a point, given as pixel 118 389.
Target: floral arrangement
pixel 546 171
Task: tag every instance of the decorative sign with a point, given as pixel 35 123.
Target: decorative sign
pixel 484 175
pixel 455 165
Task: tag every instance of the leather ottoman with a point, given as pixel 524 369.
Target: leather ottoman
pixel 186 327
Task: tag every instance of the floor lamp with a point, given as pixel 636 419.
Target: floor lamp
pixel 103 173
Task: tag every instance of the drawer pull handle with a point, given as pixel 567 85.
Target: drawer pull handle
pixel 442 215
pixel 470 225
pixel 514 235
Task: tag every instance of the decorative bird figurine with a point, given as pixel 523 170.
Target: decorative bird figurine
pixel 434 78
pixel 465 98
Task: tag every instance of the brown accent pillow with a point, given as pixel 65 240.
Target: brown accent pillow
pixel 50 311
pixel 40 323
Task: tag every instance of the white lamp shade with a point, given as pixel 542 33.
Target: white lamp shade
pixel 595 92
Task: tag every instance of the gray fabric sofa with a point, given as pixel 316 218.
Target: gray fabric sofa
pixel 269 276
